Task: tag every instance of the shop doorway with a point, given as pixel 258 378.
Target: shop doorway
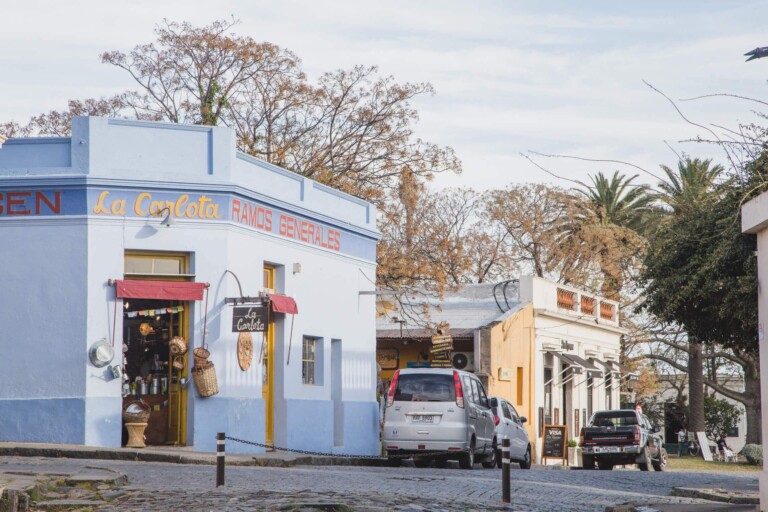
pixel 336 386
pixel 268 364
pixel 153 375
pixel 157 295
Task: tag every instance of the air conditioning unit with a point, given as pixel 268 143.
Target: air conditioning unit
pixel 463 361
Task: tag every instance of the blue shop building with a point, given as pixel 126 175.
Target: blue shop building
pixel 154 260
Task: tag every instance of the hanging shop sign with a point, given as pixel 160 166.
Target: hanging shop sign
pixel 442 345
pixel 249 319
pixel 388 358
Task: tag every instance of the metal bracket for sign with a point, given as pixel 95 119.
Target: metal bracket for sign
pixel 234 301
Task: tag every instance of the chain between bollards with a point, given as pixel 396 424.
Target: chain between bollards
pixel 220 459
pixel 505 491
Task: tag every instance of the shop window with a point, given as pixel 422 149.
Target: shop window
pixel 154 264
pixel 310 363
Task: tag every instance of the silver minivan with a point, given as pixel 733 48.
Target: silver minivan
pixel 435 415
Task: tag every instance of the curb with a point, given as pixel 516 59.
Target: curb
pixel 737 498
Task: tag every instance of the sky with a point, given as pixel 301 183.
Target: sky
pixel 511 78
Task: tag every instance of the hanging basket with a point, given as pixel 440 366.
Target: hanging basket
pixel 178 362
pixel 136 412
pixel 201 356
pixel 177 346
pixel 205 379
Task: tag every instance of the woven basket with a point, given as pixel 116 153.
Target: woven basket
pixel 136 412
pixel 201 356
pixel 178 346
pixel 205 379
pixel 178 362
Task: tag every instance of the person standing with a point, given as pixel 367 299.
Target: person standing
pixel 682 438
pixel 722 445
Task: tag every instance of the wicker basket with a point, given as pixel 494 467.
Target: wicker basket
pixel 136 412
pixel 177 346
pixel 178 362
pixel 201 356
pixel 205 379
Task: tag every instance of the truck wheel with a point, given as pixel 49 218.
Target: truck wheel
pixel 394 462
pixel 605 465
pixel 587 462
pixel 661 464
pixel 422 462
pixel 644 466
pixel 441 462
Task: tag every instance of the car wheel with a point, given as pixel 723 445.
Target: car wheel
pixel 587 462
pixel 526 462
pixel 422 462
pixel 644 466
pixel 661 464
pixel 394 462
pixel 491 460
pixel 467 459
pixel 605 465
pixel 498 458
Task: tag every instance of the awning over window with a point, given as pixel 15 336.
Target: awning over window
pixel 592 370
pixel 578 363
pixel 283 304
pixel 566 359
pixel 169 290
pixel 612 366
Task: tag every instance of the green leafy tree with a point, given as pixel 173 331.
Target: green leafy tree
pixel 720 416
pixel 700 273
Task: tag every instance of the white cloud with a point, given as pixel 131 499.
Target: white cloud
pixel 557 77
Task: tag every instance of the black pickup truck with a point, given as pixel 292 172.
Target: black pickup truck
pixel 622 437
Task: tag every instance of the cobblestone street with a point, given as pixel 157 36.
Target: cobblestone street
pixel 163 486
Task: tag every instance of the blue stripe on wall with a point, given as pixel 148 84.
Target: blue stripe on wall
pixel 58 420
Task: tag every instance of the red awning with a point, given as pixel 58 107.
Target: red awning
pixel 170 290
pixel 283 304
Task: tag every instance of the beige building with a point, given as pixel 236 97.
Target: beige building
pixel 551 350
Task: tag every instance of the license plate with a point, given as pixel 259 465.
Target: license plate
pixel 607 449
pixel 421 418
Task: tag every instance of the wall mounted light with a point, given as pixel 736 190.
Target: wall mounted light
pixel 166 214
pixel 297 268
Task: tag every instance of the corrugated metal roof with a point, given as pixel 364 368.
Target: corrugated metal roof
pixel 469 308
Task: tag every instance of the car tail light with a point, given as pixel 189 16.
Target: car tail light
pixel 392 386
pixel 496 419
pixel 637 434
pixel 459 391
pixel 581 437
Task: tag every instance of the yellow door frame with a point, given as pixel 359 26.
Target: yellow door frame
pixel 268 384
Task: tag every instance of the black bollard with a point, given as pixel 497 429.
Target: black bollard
pixel 220 459
pixel 505 491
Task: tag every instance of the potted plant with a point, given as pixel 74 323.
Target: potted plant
pixel 574 453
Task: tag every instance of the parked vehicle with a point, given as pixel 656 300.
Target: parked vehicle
pixel 509 425
pixel 436 415
pixel 622 436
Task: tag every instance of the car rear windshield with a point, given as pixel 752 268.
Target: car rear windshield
pixel 614 419
pixel 421 387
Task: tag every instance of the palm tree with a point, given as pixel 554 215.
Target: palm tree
pixel 612 215
pixel 689 185
pixel 687 188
